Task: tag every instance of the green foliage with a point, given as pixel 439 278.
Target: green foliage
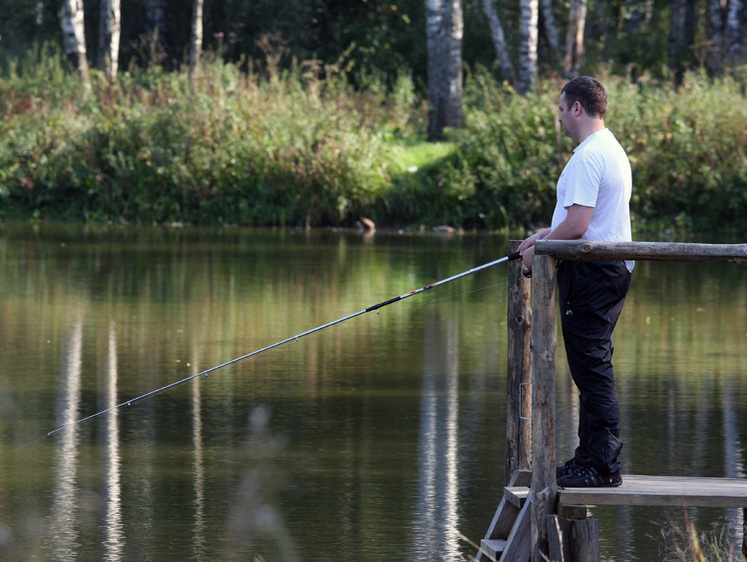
pixel 508 145
pixel 295 149
pixel 305 147
pixel 688 150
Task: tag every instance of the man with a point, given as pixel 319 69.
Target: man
pixel 593 196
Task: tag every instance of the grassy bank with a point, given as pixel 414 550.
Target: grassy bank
pixel 305 148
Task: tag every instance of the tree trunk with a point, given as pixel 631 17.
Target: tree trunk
pixel 734 30
pixel 551 30
pixel 109 34
pixel 528 49
pixel 74 38
pixel 499 42
pixel 155 18
pixel 195 49
pixel 444 28
pixel 574 43
pixel 677 39
pixel 715 50
pixel 600 20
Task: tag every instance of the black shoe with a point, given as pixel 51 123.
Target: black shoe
pixel 588 476
pixel 568 468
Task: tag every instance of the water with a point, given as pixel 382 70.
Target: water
pixel 381 438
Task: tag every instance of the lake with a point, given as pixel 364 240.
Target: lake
pixel 378 438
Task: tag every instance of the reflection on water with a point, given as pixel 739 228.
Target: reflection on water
pixel 198 468
pixel 64 520
pixel 113 532
pixel 379 439
pixel 733 462
pixel 436 516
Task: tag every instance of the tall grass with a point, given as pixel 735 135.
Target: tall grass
pixel 684 543
pixel 303 147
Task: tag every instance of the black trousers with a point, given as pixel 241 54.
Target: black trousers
pixel 591 295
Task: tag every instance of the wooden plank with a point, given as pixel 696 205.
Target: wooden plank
pixel 493 548
pixel 504 520
pixel 506 514
pixel 517 496
pixel 662 251
pixel 522 478
pixel 572 511
pixel 519 543
pixel 662 491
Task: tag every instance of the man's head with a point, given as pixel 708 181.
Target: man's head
pixel 589 92
pixel 583 105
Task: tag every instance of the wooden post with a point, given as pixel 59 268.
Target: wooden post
pixel 519 372
pixel 573 540
pixel 544 487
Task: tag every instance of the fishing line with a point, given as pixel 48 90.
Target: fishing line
pixel 297 337
pixel 455 295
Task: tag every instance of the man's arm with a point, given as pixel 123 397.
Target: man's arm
pixel 572 228
pixel 532 240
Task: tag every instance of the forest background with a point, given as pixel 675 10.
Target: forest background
pixel 321 112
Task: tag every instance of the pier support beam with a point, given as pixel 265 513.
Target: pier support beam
pixel 544 343
pixel 519 371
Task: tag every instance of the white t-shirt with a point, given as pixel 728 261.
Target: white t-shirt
pixel 598 175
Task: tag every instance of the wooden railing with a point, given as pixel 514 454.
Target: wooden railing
pixel 540 323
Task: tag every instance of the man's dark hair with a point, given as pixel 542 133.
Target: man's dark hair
pixel 589 92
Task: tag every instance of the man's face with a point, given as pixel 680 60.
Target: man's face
pixel 565 117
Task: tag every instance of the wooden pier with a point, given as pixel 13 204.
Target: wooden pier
pixel 535 519
pixel 661 490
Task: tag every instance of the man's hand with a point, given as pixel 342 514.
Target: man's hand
pixel 573 227
pixel 526 248
pixel 527 256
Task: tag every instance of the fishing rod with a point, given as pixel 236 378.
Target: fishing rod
pixel 510 257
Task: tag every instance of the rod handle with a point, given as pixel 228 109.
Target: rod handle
pixel 377 306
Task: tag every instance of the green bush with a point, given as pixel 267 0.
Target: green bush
pixel 304 147
pixel 296 149
pixel 687 150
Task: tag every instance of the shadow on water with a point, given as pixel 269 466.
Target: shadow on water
pixel 379 439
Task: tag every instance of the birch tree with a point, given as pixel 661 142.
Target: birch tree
pixel 74 38
pixel 195 45
pixel 528 47
pixel 574 42
pixel 726 32
pixel 109 34
pixel 548 24
pixel 734 30
pixel 444 30
pixel 499 42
